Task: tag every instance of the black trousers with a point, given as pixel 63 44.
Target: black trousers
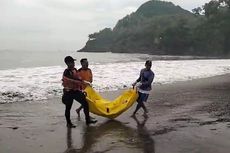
pixel 67 99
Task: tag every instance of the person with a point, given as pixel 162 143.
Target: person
pixel 86 74
pixel 73 91
pixel 144 86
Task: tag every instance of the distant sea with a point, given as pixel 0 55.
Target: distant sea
pixel 33 76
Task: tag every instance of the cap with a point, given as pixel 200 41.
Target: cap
pixel 69 59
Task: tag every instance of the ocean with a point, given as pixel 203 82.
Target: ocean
pixel 36 76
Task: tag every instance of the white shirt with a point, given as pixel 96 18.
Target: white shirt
pixel 140 90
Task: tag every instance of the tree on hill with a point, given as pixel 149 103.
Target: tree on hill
pixel 159 27
pixel 212 36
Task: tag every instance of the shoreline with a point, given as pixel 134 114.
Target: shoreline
pixel 163 56
pixel 188 116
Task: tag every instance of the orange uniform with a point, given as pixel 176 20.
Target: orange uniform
pixel 85 74
pixel 71 80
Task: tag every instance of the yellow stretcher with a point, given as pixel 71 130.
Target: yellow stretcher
pixel 110 109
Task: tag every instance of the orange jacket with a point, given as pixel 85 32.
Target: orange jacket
pixel 71 80
pixel 86 74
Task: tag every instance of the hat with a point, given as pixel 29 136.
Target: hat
pixel 69 59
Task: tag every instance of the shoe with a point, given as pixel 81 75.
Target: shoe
pixel 70 125
pixel 92 118
pixel 91 122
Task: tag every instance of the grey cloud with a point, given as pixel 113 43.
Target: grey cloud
pixel 62 24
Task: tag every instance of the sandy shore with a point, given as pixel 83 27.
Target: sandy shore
pixel 184 117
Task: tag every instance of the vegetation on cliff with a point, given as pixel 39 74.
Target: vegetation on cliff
pixel 159 27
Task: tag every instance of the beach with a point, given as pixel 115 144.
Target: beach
pixel 184 117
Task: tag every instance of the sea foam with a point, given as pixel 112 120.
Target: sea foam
pixel 40 83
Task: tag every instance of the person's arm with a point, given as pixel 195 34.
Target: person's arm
pixel 91 76
pixel 68 79
pixel 138 80
pixel 73 80
pixel 67 74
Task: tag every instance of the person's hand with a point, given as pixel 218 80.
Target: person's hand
pixel 85 93
pixel 134 84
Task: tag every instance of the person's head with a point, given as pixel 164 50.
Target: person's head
pixel 148 64
pixel 69 61
pixel 84 63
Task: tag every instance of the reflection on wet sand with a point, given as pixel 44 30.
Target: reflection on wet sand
pixel 113 136
pixel 148 142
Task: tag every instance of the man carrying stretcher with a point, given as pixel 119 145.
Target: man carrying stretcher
pixel 73 85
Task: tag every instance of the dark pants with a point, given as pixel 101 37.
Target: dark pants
pixel 67 99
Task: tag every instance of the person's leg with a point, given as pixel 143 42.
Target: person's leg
pixel 79 114
pixel 144 99
pixel 145 110
pixel 68 101
pixel 80 97
pixel 143 106
pixel 67 113
pixel 139 105
pixel 141 99
pixel 78 110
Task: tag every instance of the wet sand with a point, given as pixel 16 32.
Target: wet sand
pixel 184 117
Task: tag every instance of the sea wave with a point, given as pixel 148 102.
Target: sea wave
pixel 40 83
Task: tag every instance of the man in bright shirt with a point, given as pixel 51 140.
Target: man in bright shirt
pixel 86 74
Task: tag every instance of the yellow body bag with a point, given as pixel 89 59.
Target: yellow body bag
pixel 110 109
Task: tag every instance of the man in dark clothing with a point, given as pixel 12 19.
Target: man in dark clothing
pixel 144 86
pixel 73 91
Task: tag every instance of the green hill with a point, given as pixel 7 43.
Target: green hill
pixel 157 27
pixel 154 8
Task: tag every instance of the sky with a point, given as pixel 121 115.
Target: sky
pixel 49 25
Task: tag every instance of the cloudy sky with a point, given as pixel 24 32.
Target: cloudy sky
pixel 62 24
